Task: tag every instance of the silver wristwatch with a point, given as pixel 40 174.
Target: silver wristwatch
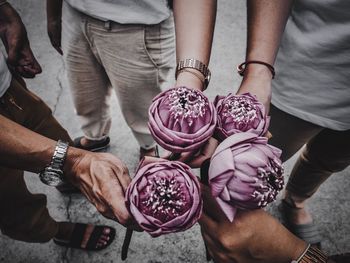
pixel 52 174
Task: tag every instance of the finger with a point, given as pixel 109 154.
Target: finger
pixel 187 157
pixel 211 207
pixel 268 135
pixel 166 155
pixel 208 225
pixel 206 153
pixel 59 50
pixel 122 174
pixel 56 43
pixel 23 72
pixel 150 159
pixel 30 71
pixel 116 200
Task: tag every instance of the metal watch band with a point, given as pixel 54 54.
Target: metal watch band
pixel 59 155
pixel 311 255
pixel 194 64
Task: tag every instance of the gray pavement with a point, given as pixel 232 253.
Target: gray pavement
pixel 330 206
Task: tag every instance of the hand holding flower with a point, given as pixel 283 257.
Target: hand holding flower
pixel 164 197
pixel 240 113
pixel 245 172
pixel 182 119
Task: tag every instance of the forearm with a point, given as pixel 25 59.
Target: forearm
pixel 54 10
pixel 266 22
pixel 194 26
pixel 24 149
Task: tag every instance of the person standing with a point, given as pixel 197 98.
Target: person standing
pixel 128 46
pixel 310 101
pixel 31 139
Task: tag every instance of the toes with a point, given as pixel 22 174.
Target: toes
pixel 106 230
pixel 101 244
pixel 104 238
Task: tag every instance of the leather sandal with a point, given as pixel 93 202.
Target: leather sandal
pixel 96 146
pixel 78 235
pixel 308 232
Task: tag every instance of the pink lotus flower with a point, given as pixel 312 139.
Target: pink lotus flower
pixel 182 119
pixel 240 113
pixel 245 172
pixel 164 197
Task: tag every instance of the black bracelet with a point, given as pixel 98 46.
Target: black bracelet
pixel 242 67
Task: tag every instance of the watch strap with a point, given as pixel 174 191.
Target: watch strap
pixel 311 255
pixel 59 155
pixel 194 64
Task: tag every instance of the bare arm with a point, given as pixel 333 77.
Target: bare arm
pixel 23 149
pixel 194 25
pixel 253 236
pixel 101 177
pixel 266 23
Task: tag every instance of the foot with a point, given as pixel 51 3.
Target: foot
pixel 299 221
pixel 91 145
pixel 296 215
pixel 68 235
pixel 153 152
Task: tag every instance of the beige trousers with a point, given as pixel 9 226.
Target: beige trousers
pixel 326 152
pixel 134 60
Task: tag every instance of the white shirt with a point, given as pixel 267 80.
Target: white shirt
pixel 5 75
pixel 313 65
pixel 148 12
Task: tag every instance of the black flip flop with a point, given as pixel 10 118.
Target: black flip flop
pixel 78 235
pixel 98 146
pixel 308 232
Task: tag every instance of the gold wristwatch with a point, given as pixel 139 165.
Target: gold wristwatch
pixel 197 65
pixel 312 255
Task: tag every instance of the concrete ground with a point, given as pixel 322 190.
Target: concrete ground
pixel 330 206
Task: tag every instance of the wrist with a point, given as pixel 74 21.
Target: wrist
pixel 189 80
pixel 298 250
pixel 73 158
pixel 257 71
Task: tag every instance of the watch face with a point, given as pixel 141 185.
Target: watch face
pixel 51 177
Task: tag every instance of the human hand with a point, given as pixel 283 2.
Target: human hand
pixel 253 236
pixel 14 36
pixel 257 80
pixel 195 159
pixel 103 179
pixel 54 30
